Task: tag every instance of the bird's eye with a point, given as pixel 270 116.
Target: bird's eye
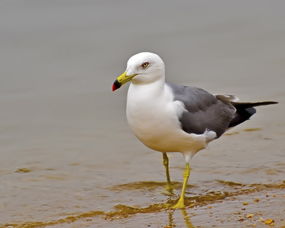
pixel 145 65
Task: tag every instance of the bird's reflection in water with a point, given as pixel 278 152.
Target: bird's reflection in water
pixel 186 217
pixel 187 220
pixel 170 219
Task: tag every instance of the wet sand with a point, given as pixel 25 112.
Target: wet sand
pixel 68 158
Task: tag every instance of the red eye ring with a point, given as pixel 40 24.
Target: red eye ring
pixel 145 65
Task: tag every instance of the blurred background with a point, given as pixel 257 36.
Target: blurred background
pixel 64 138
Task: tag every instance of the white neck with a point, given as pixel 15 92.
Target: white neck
pixel 149 89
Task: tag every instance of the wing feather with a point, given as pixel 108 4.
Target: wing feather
pixel 203 111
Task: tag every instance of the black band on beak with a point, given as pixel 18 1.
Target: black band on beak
pixel 116 85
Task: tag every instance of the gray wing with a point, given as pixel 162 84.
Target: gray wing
pixel 203 110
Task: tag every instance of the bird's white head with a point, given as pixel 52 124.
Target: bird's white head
pixel 142 68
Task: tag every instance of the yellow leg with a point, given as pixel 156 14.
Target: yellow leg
pixel 169 187
pixel 180 203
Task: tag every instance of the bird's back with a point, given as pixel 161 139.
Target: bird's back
pixel 204 111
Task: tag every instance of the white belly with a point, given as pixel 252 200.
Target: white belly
pixel 154 120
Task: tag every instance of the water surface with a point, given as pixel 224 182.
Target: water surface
pixel 66 150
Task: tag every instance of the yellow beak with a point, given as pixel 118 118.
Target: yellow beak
pixel 121 80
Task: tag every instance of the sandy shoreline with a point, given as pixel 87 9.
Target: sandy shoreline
pixel 67 155
pixel 243 206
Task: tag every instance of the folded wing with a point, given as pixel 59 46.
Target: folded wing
pixel 203 111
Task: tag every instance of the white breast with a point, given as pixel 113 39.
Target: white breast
pixel 153 116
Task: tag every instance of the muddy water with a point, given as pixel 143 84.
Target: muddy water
pixel 68 158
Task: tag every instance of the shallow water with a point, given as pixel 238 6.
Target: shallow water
pixel 68 158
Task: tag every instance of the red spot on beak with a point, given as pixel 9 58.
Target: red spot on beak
pixel 116 85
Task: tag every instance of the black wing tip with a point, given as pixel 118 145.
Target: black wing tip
pixel 267 103
pixel 253 104
pixel 274 102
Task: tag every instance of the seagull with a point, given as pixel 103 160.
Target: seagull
pixel 175 118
